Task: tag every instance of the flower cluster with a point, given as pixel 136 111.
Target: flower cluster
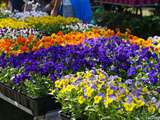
pixel 47 24
pixel 81 27
pixel 50 20
pixel 17 46
pixel 13 23
pixel 150 42
pixel 30 42
pixel 113 55
pixel 23 15
pixel 84 93
pixel 155 39
pixel 4 13
pixel 15 33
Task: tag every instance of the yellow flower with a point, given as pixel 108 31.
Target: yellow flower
pixel 108 101
pixel 101 75
pixel 97 99
pixel 129 107
pixel 118 98
pixel 57 84
pixel 109 91
pixel 123 85
pixel 144 89
pixel 151 108
pixel 159 110
pixel 69 88
pixel 127 91
pixel 88 74
pixel 89 92
pixel 139 103
pixel 81 99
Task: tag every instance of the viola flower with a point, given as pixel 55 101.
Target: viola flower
pixel 108 101
pixel 131 71
pixel 97 99
pixel 129 106
pixel 89 91
pixel 151 108
pixel 81 99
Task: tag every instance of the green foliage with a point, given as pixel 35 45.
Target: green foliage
pixel 37 86
pixel 142 26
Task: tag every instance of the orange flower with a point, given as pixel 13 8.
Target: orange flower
pixel 60 33
pixel 21 40
pixel 24 48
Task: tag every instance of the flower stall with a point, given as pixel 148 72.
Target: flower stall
pixel 85 71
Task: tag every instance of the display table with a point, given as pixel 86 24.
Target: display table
pixel 38 107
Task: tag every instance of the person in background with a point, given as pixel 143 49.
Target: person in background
pixel 82 10
pixel 7 3
pixel 17 5
pixel 67 9
pixel 53 7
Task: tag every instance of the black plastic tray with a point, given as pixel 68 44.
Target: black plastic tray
pixel 38 105
pixel 64 116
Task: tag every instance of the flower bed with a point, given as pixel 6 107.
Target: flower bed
pixel 88 69
pixel 112 54
pixel 32 43
pixel 8 33
pixel 85 93
pixel 46 24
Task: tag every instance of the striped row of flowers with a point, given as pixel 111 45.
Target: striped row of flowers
pixel 88 69
pixel 33 43
pixel 24 40
pixel 136 68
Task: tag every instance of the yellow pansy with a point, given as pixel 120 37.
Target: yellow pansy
pixel 123 85
pixel 97 99
pixel 89 92
pixel 88 74
pixel 101 75
pixel 151 108
pixel 129 106
pixel 139 103
pixel 108 101
pixel 127 91
pixel 57 84
pixel 81 99
pixel 109 91
pixel 69 88
pixel 144 89
pixel 119 97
